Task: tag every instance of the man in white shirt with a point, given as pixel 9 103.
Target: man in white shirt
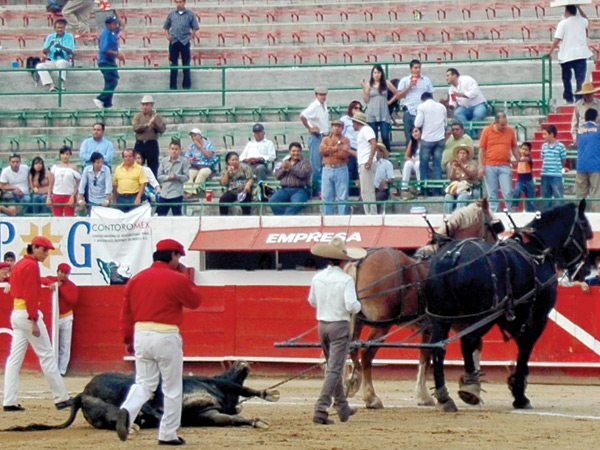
pixel 316 120
pixel 571 34
pixel 432 117
pixel 259 152
pixel 465 97
pixel 14 181
pixel 366 146
pixel 333 293
pixel 384 174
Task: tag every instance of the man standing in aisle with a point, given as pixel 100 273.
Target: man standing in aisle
pixel 77 13
pixel 181 26
pixel 148 125
pixel 366 144
pixel 151 316
pixel 108 53
pixel 316 120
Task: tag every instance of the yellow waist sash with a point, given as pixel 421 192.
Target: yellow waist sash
pixel 19 303
pixel 155 326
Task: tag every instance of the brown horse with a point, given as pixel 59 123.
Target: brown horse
pixel 390 286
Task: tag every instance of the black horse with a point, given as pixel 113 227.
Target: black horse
pixel 511 283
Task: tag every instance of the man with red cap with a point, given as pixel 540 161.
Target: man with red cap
pixel 151 316
pixel 28 327
pixel 4 272
pixel 67 297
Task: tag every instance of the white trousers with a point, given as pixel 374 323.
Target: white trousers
pixel 158 354
pixel 45 76
pixel 409 167
pixel 367 187
pixel 43 349
pixel 65 332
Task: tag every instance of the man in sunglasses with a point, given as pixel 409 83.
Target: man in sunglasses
pixel 95 188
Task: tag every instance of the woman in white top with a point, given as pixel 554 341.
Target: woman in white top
pixel 63 185
pixel 153 187
pixel 411 163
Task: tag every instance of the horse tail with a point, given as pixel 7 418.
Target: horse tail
pixel 75 407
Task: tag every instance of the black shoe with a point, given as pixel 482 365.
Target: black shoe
pixel 178 441
pixel 13 408
pixel 346 414
pixel 65 404
pixel 123 424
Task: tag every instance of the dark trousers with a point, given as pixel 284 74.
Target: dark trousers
pixel 176 49
pixel 111 80
pixel 149 150
pixel 579 66
pixel 163 206
pixel 409 123
pixel 230 197
pixel 126 202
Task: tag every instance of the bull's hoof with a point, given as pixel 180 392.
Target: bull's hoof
pixel 522 404
pixel 261 423
pixel 373 403
pixel 271 395
pixel 447 406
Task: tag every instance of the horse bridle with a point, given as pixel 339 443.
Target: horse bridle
pixel 571 240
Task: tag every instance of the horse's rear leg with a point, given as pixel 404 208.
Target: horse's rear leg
pixel 445 402
pixel 423 396
pixel 469 384
pixel 367 356
pixel 354 382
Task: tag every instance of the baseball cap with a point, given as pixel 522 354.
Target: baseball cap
pixel 64 268
pixel 42 242
pixel 170 244
pixel 111 19
pixel 196 131
pixel 258 127
pixel 4 265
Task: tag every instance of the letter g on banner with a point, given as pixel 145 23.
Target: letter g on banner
pixel 73 248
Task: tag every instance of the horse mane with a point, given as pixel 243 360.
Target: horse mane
pixel 551 216
pixel 461 218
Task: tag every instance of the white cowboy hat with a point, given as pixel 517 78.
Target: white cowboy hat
pixel 336 249
pixel 147 99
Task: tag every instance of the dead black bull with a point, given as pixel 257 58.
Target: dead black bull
pixel 207 401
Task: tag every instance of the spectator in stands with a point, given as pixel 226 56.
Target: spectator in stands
pixel 238 179
pixel 587 182
pixel 14 181
pixel 498 141
pixel 259 153
pixel 554 156
pixel 202 157
pixel 58 51
pixel 152 189
pixel 365 154
pixel 97 143
pixel 55 6
pixel 8 211
pixel 454 137
pixel 335 150
pixel 129 182
pixel 384 175
pixel 294 178
pixel 465 97
pixel 63 185
pixel 412 162
pixel 587 101
pixel 10 258
pixel 594 280
pixel 411 88
pixel 351 134
pixel 432 119
pixel 571 35
pixel 181 26
pixel 375 95
pixel 464 180
pixel 108 53
pixel 39 185
pixel 316 120
pixel 524 178
pixel 148 125
pixel 77 13
pixel 95 188
pixel 173 172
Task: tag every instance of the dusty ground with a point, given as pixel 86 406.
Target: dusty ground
pixel 565 416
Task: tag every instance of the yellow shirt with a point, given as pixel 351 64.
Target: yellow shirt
pixel 128 181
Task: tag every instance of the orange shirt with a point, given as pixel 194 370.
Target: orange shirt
pixel 497 145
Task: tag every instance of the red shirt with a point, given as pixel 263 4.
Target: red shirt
pixel 157 294
pixel 67 294
pixel 25 283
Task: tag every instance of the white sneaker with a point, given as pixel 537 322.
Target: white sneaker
pixel 52 88
pixel 98 103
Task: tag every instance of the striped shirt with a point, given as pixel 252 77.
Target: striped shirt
pixel 412 99
pixel 180 24
pixel 552 159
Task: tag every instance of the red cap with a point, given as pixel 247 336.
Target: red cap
pixel 4 265
pixel 43 242
pixel 170 244
pixel 64 268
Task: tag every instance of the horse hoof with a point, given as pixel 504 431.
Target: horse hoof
pixel 271 395
pixel 526 404
pixel 447 406
pixel 374 403
pixel 427 402
pixel 470 393
pixel 261 423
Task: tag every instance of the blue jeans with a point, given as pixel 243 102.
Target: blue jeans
pixel 579 66
pixel 494 176
pixel 384 128
pixel 466 114
pixel 125 200
pixel 316 160
pixel 288 194
pixel 111 80
pixel 409 123
pixel 552 187
pixel 449 206
pixel 335 183
pixel 527 188
pixel 41 207
pixel 427 149
pixel 164 204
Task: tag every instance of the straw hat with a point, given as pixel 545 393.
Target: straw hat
pixel 336 249
pixel 468 148
pixel 360 117
pixel 381 146
pixel 147 99
pixel 587 88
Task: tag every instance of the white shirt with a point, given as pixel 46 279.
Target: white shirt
pixel 152 181
pixel 468 86
pixel 573 45
pixel 385 171
pixel 18 179
pixel 363 144
pixel 317 115
pixel 432 116
pixel 262 149
pixel 333 293
pixel 64 180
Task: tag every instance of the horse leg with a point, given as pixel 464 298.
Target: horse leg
pixel 423 396
pixel 368 354
pixel 445 402
pixel 355 380
pixel 469 385
pixel 517 382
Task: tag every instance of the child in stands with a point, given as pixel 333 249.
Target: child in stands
pixel 524 178
pixel 554 155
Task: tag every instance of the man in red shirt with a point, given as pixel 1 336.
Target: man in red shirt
pixel 152 313
pixel 28 327
pixel 67 297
